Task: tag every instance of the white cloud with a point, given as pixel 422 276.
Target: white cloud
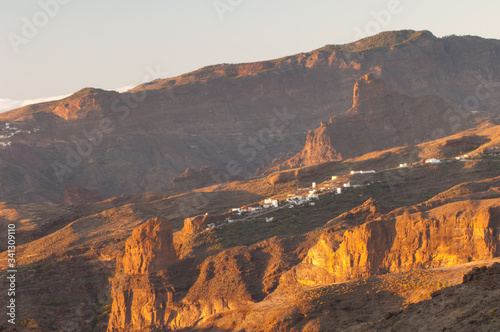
pixel 125 88
pixel 9 104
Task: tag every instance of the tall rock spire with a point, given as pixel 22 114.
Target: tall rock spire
pixel 366 88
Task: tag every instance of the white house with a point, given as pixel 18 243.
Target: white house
pixel 433 161
pixel 334 177
pixel 239 210
pixel 298 200
pixel 269 219
pixel 210 225
pixel 403 165
pixel 363 172
pixel 313 185
pixel 339 191
pixel 274 203
pixel 347 185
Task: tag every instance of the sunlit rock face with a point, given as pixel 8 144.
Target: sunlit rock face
pixel 150 248
pixel 450 234
pixel 378 120
pixel 368 87
pixel 143 298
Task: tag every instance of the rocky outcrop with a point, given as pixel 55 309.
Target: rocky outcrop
pixel 142 293
pixel 378 120
pixel 141 303
pixel 185 239
pixel 450 234
pixel 489 275
pixel 77 195
pixel 367 88
pixel 150 248
pixel 223 115
pixel 195 224
pixel 181 296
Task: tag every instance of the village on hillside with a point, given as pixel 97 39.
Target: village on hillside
pixel 336 185
pixel 9 131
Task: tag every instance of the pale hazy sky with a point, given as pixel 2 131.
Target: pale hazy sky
pixel 112 44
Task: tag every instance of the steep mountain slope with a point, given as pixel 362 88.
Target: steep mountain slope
pixel 68 255
pixel 471 306
pixel 233 117
pixel 378 120
pixel 232 282
pixel 426 236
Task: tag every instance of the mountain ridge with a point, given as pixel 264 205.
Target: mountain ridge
pixel 242 124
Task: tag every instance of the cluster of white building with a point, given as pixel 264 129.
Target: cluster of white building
pixel 269 202
pixel 298 200
pixel 427 161
pixel 363 172
pixel 11 132
pixel 241 210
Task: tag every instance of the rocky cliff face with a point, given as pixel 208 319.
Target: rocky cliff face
pixel 185 239
pixel 368 88
pixel 421 237
pixel 178 296
pixel 140 295
pixel 150 248
pixel 166 126
pixel 377 120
